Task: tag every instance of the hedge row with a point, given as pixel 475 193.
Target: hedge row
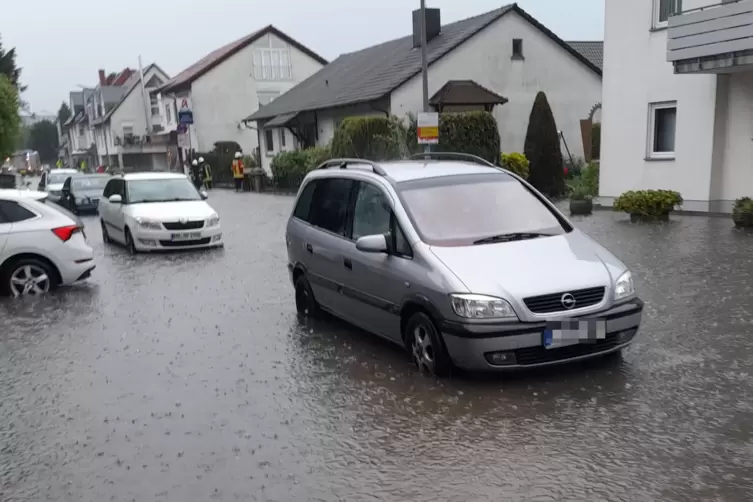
pixel 289 168
pixel 466 132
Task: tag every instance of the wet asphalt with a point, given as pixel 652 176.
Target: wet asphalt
pixel 189 377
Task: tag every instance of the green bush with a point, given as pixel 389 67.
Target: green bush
pixel 596 141
pixel 317 156
pixel 590 178
pixel 648 204
pixel 742 212
pixel 373 138
pixel 542 148
pixel 289 168
pixel 517 163
pixel 475 133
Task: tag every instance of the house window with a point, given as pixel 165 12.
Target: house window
pixel 272 64
pixel 662 128
pixel 127 131
pixel 168 113
pixel 154 101
pixel 663 9
pixel 282 138
pixel 269 141
pixel 517 48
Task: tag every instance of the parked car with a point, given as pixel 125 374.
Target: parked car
pixel 52 182
pixel 81 192
pixel 42 246
pixel 157 211
pixel 460 262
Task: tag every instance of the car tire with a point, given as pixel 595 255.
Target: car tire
pixel 130 245
pixel 305 303
pixel 105 236
pixel 425 346
pixel 41 277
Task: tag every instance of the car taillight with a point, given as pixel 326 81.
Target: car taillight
pixel 65 233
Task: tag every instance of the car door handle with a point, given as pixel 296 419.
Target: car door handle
pixel 348 264
pixel 309 248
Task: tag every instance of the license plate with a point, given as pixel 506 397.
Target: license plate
pixel 185 236
pixel 572 332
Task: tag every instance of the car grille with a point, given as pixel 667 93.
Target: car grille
pixel 539 355
pixel 195 242
pixel 546 304
pixel 189 225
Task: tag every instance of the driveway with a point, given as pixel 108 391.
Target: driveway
pixel 188 377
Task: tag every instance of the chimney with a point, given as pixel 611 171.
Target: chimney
pixel 433 26
pixel 102 78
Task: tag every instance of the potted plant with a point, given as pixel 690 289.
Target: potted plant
pixel 648 205
pixel 581 199
pixel 742 213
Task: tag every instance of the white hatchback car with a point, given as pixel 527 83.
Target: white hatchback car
pixel 52 182
pixel 157 212
pixel 41 245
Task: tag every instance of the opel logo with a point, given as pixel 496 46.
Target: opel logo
pixel 568 301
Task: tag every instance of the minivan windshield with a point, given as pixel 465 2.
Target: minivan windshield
pixel 90 182
pixel 161 190
pixel 57 179
pixel 475 209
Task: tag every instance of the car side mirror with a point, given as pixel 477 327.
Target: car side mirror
pixel 204 194
pixel 372 243
pixel 116 199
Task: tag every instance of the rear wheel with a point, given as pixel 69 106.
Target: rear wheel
pixel 305 303
pixel 130 245
pixel 27 277
pixel 425 346
pixel 105 236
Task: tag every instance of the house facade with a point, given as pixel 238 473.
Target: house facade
pixel 678 96
pixel 232 82
pixel 505 55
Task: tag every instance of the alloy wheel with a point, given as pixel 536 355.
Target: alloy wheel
pixel 29 280
pixel 423 350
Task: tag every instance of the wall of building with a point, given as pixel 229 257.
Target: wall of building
pixel 636 73
pixel 571 87
pixel 227 94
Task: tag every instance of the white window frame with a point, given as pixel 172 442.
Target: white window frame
pixel 273 151
pixel 657 10
pixel 127 125
pixel 268 64
pixel 282 138
pixel 650 145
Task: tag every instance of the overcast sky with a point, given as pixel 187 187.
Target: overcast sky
pixel 62 43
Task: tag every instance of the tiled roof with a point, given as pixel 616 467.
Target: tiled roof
pixel 466 92
pixel 373 73
pixel 214 58
pixel 593 51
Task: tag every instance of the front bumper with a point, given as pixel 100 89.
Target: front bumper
pixel 471 345
pixel 162 240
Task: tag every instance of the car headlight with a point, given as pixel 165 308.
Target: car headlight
pixel 213 220
pixel 148 224
pixel 471 306
pixel 623 287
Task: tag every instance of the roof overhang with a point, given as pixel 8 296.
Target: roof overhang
pixel 281 120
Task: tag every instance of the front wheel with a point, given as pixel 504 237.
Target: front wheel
pixel 425 346
pixel 27 277
pixel 305 303
pixel 130 245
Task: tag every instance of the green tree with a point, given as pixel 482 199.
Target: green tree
pixel 542 149
pixel 10 121
pixel 64 113
pixel 43 137
pixel 8 67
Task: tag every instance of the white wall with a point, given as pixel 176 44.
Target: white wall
pixel 226 95
pixel 571 87
pixel 636 73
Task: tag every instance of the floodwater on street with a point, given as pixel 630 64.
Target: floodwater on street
pixel 189 377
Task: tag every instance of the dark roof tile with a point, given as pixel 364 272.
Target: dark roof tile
pixel 593 51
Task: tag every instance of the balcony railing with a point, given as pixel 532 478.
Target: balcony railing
pixel 711 39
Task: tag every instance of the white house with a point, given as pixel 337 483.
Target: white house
pixel 678 97
pixel 232 82
pixel 129 133
pixel 503 58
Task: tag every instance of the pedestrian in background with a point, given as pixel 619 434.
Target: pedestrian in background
pixel 197 177
pixel 237 168
pixel 207 174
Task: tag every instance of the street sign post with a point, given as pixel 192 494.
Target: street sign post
pixel 428 128
pixel 185 111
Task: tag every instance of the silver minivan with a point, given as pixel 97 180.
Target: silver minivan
pixel 462 263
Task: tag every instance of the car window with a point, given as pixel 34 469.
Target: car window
pixel 161 190
pixel 371 212
pixel 329 205
pixel 304 201
pixel 459 210
pixel 54 179
pixel 87 183
pixel 12 212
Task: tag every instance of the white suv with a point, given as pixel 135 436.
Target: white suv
pixel 156 212
pixel 41 246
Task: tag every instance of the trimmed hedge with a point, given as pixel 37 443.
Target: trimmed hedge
pixel 289 168
pixel 373 138
pixel 463 132
pixel 648 204
pixel 542 148
pixel 517 163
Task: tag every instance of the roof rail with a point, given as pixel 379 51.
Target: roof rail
pixel 343 164
pixel 451 156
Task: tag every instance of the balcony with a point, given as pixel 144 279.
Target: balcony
pixel 141 144
pixel 717 38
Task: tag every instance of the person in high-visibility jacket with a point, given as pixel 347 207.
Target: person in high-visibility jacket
pixel 237 168
pixel 207 174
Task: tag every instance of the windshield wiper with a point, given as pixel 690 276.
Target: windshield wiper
pixel 516 236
